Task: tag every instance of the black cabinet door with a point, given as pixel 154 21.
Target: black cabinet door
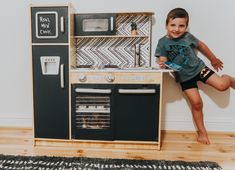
pixel 49 24
pixel 51 99
pixel 136 112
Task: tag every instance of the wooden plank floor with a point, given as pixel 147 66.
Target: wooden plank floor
pixel 175 146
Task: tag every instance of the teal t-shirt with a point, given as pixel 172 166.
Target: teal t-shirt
pixel 181 51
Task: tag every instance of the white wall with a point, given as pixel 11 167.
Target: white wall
pixel 210 20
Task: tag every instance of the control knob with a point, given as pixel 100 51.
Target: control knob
pixel 82 78
pixel 110 78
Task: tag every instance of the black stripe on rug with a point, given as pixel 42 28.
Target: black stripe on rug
pixel 77 163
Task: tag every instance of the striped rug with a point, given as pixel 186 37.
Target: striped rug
pixel 8 162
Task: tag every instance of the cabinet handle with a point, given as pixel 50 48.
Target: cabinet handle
pixel 136 91
pixel 62 76
pixel 62 24
pixel 86 90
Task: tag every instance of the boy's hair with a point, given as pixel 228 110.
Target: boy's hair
pixel 177 13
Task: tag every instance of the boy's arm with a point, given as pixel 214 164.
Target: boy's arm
pixel 215 62
pixel 161 62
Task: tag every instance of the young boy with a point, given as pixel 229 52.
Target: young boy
pixel 179 46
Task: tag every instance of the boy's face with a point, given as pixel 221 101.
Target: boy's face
pixel 176 27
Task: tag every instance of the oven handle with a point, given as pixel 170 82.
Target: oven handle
pixel 136 91
pixel 86 90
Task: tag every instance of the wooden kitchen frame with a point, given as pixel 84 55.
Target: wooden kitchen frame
pixel 42 121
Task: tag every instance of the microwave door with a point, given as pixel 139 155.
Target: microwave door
pixel 95 24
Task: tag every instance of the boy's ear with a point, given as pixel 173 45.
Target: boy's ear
pixel 188 29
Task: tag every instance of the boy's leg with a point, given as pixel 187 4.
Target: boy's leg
pixel 221 82
pixel 196 107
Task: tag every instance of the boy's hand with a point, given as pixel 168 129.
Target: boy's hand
pixel 162 61
pixel 162 65
pixel 217 64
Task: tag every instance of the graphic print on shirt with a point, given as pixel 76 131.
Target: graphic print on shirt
pixel 179 54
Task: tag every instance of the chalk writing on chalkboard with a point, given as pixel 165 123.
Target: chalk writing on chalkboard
pixel 46 24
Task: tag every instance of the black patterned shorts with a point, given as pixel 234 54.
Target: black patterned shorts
pixel 202 76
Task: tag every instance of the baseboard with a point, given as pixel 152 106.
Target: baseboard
pixel 16 120
pixel 218 126
pixel 25 120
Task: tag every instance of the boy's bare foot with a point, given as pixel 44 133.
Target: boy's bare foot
pixel 203 138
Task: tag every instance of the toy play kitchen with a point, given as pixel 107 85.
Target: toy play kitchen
pixel 92 78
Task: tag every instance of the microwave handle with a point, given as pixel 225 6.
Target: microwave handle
pixel 62 24
pixel 111 23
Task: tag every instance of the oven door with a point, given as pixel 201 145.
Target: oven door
pixel 92 115
pixel 136 112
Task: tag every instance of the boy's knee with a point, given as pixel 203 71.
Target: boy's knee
pixel 223 86
pixel 197 105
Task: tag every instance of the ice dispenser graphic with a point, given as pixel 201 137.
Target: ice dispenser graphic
pixel 50 65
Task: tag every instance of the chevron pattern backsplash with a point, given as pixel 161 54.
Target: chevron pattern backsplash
pixel 118 50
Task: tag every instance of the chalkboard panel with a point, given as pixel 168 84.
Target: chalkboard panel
pixel 46 24
pixel 50 24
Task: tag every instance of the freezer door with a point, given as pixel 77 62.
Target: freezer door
pixel 50 87
pixel 49 24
